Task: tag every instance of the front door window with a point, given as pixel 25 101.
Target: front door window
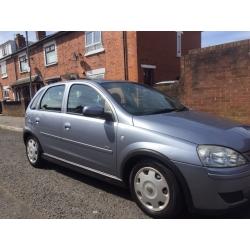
pixel 83 95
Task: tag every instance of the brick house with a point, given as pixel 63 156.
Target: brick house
pixel 123 55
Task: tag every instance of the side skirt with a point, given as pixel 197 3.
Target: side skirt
pixel 84 170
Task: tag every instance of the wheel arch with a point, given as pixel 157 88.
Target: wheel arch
pixel 27 133
pixel 135 156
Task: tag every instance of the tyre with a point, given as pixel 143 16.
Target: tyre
pixel 34 152
pixel 155 189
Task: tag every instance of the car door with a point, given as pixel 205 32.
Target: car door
pixel 91 141
pixel 48 120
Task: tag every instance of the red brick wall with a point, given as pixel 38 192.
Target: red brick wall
pixel 114 55
pixel 132 56
pixel 66 46
pixel 159 48
pixel 112 59
pixel 217 80
pixel 113 45
pixel 17 109
pixel 190 40
pixel 10 66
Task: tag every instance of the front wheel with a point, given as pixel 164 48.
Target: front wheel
pixel 155 189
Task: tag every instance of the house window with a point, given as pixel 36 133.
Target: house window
pixel 17 94
pixel 23 63
pixel 96 73
pixel 5 50
pixel 178 43
pixel 3 70
pixel 148 73
pixel 50 54
pixel 93 42
pixel 6 93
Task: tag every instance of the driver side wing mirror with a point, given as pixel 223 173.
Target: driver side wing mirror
pixel 94 111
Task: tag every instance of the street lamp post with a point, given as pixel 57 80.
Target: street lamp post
pixel 29 68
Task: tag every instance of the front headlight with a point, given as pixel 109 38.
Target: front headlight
pixel 216 156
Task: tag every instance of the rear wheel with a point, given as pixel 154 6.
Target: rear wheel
pixel 33 152
pixel 155 189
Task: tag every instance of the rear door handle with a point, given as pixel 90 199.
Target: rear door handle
pixel 67 126
pixel 37 120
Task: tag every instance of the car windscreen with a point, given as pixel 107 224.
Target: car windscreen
pixel 140 99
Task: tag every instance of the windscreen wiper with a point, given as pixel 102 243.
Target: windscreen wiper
pixel 182 109
pixel 163 111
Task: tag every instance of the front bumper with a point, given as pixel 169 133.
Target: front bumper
pixel 214 188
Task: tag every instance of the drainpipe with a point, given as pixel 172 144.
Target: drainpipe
pixel 1 88
pixel 15 70
pixel 28 56
pixel 125 54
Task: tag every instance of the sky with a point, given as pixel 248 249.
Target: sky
pixel 209 38
pixel 9 35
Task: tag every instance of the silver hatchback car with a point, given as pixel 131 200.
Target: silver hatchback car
pixel 169 156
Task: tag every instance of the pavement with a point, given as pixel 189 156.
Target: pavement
pixel 56 192
pixel 12 123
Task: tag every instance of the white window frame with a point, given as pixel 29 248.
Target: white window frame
pixel 88 48
pixel 17 94
pixel 5 74
pixel 5 50
pixel 148 66
pixel 178 43
pixel 44 53
pixel 93 74
pixel 19 63
pixel 6 89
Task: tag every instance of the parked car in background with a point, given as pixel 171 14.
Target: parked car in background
pixel 169 157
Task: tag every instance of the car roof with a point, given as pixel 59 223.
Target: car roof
pixel 95 81
pixel 100 81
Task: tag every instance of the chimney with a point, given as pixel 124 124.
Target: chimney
pixel 20 41
pixel 40 35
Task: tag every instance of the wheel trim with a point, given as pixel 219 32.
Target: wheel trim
pixel 32 150
pixel 152 189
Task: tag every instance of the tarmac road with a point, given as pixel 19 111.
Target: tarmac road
pixel 56 192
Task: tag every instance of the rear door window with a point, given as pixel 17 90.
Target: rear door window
pixel 35 101
pixel 53 98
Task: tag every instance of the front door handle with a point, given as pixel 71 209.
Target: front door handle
pixel 67 126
